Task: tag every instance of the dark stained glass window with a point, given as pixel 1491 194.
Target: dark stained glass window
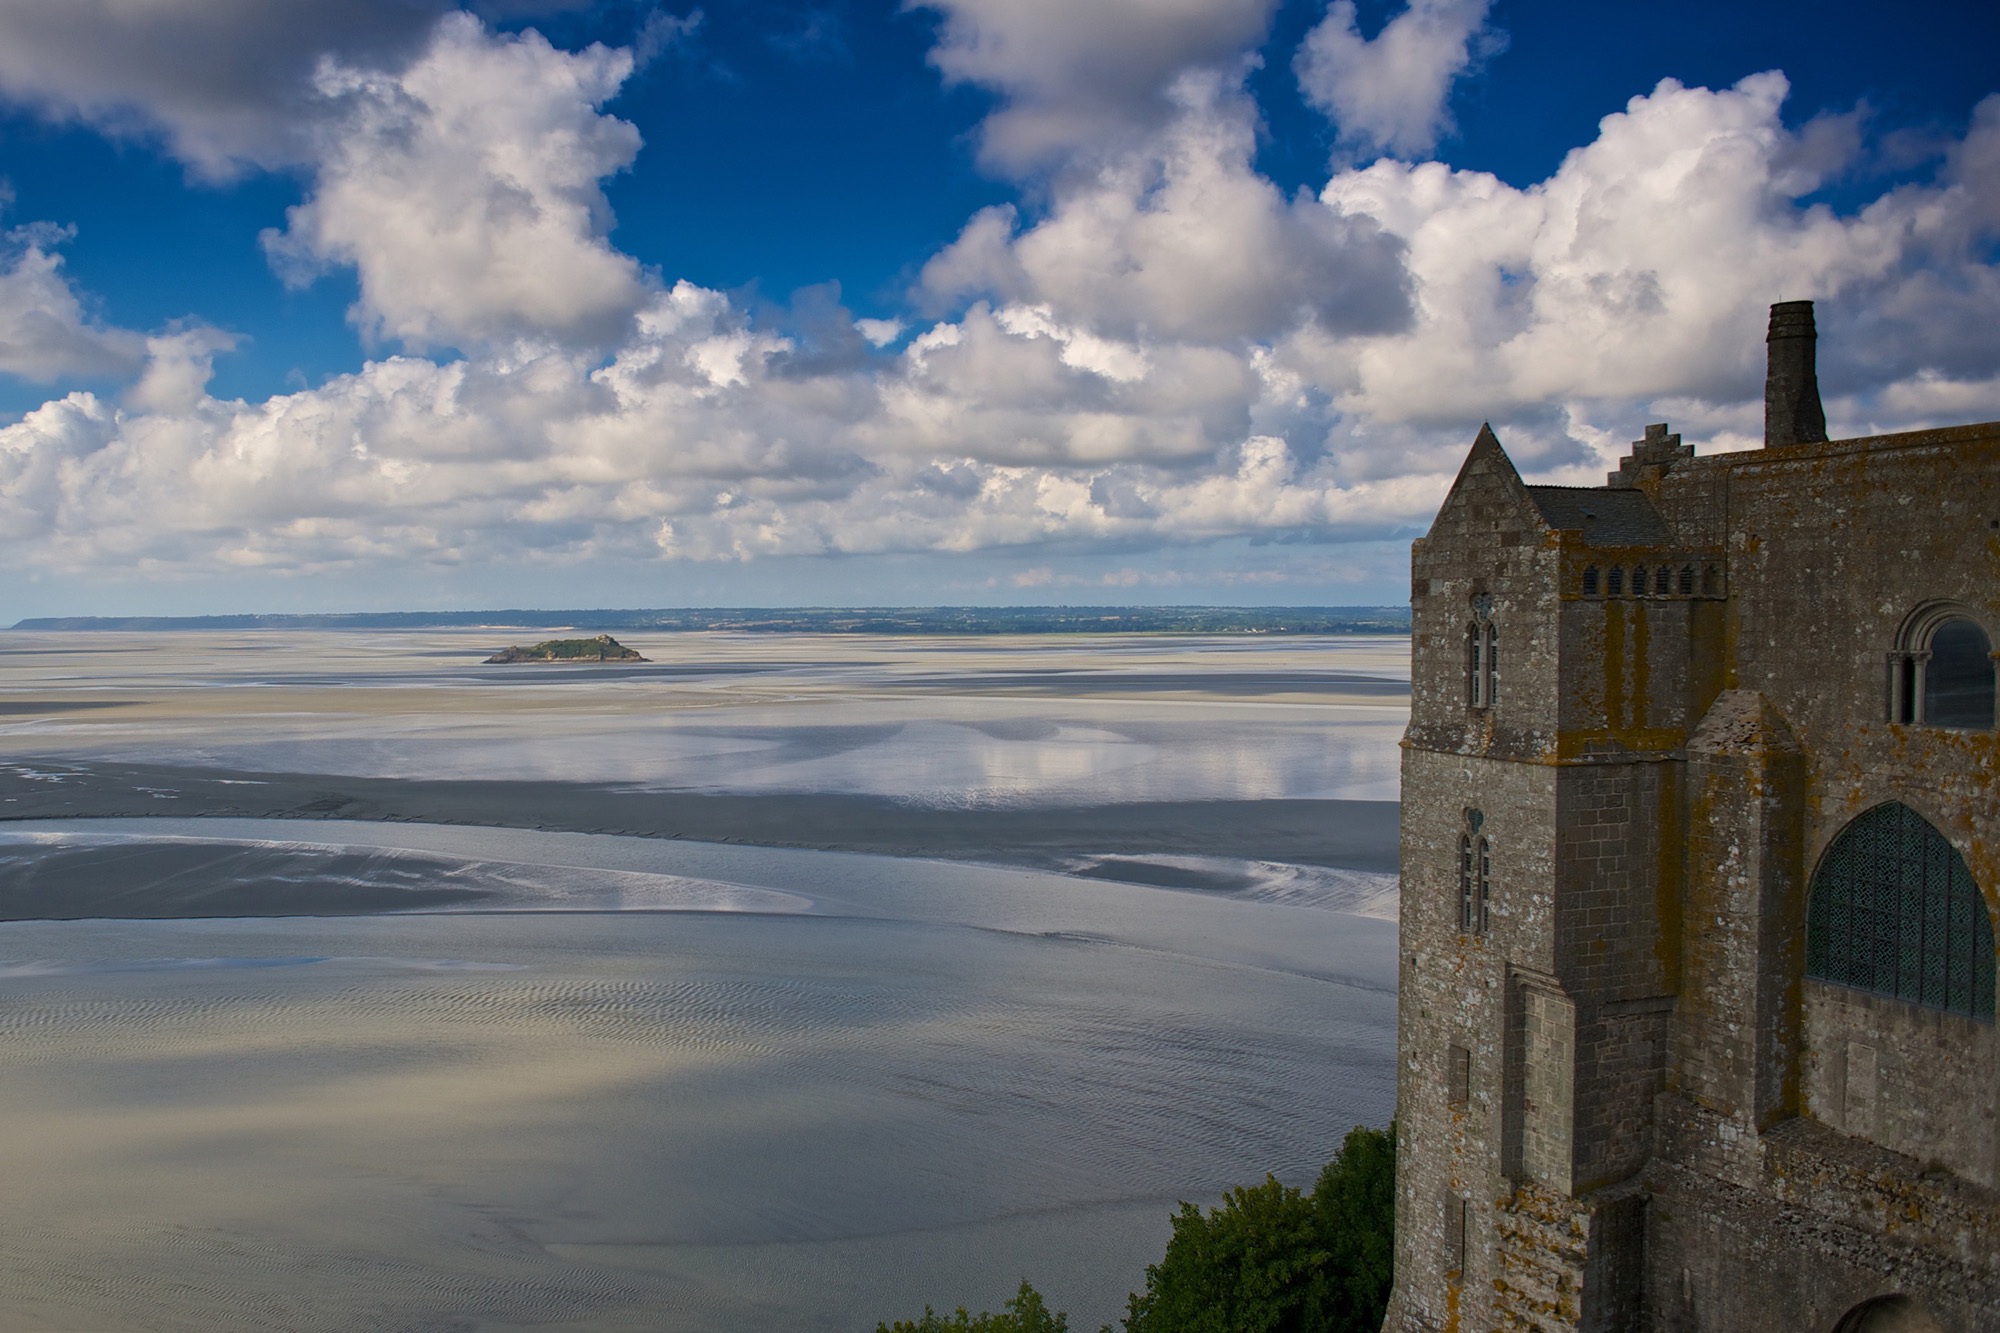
pixel 1958 678
pixel 1895 911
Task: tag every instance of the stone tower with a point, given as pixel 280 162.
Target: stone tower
pixel 1701 845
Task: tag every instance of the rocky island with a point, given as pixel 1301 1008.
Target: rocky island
pixel 603 648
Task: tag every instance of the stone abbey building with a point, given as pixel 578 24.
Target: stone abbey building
pixel 1701 853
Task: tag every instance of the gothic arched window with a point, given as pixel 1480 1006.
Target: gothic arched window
pixel 1475 884
pixel 1894 910
pixel 1482 670
pixel 1590 581
pixel 1475 876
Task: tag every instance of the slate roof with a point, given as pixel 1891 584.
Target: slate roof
pixel 1606 517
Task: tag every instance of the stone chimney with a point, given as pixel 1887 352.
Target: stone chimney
pixel 1792 414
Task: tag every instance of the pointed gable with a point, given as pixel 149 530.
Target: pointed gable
pixel 1487 494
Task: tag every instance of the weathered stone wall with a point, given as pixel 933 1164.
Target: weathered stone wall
pixel 1736 1028
pixel 1790 1230
pixel 1614 952
pixel 1915 1080
pixel 1455 991
pixel 1628 674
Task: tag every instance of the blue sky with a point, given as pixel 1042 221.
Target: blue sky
pixel 354 304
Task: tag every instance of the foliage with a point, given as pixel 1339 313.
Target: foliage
pixel 1024 1312
pixel 1355 1202
pixel 1269 1260
pixel 1274 1260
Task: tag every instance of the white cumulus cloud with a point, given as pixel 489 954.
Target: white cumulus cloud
pixel 1642 269
pixel 1084 79
pixel 1393 91
pixel 45 333
pixel 464 191
pixel 1157 347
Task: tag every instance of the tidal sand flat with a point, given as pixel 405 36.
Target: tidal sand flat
pixel 1043 752
pixel 506 1078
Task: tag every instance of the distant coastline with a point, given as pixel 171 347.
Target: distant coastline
pixel 808 620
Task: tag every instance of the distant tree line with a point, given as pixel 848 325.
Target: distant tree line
pixel 1269 1259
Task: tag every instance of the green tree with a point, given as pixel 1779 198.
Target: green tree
pixel 1270 1259
pixel 1024 1312
pixel 1355 1204
pixel 1274 1260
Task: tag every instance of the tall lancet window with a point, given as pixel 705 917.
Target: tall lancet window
pixel 1482 656
pixel 1475 875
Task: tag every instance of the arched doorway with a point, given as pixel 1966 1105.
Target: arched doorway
pixel 1889 1314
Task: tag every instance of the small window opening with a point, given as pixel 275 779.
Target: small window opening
pixel 1687 580
pixel 1455 1210
pixel 1638 580
pixel 1662 581
pixel 1615 582
pixel 1590 581
pixel 1458 1075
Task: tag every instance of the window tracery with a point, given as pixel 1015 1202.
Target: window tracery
pixel 1894 910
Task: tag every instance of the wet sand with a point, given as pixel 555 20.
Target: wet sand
pixel 1358 835
pixel 905 1083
